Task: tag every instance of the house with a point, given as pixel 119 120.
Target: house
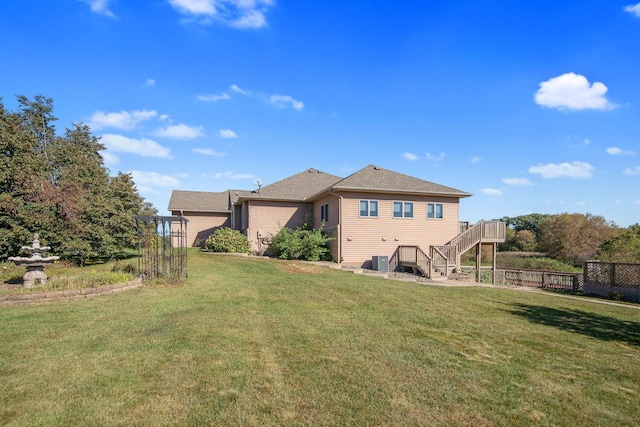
pixel 374 212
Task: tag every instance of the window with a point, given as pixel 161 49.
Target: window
pixel 369 208
pixel 403 209
pixel 434 210
pixel 324 212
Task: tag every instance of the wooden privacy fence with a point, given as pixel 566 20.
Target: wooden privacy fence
pixel 554 280
pixel 615 280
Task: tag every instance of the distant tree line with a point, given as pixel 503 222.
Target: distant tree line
pixel 58 186
pixel 572 238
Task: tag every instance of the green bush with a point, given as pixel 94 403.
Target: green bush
pixel 535 263
pixel 303 243
pixel 225 239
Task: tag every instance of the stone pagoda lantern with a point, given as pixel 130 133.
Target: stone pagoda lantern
pixel 35 263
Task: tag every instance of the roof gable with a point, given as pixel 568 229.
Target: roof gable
pixel 298 187
pixel 377 179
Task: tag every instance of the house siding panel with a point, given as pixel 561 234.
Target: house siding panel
pixel 202 224
pixel 364 237
pixel 266 218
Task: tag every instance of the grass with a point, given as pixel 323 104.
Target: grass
pixel 258 342
pixel 64 276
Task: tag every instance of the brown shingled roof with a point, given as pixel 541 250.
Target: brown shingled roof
pixel 199 201
pixel 374 178
pixel 309 184
pixel 297 187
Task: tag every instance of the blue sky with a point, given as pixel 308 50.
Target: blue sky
pixel 530 106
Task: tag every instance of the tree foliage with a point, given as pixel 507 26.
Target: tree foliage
pixel 59 187
pixel 523 232
pixel 225 239
pixel 574 238
pixel 625 247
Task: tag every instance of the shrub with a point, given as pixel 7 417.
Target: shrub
pixel 303 243
pixel 225 239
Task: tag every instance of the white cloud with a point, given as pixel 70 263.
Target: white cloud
pixel 214 98
pixel 235 88
pixel 143 147
pixel 180 131
pixel 634 171
pixel 284 100
pixel 517 181
pixel 194 7
pixel 227 134
pixel 150 83
pixel 409 156
pixel 233 175
pixel 208 152
pixel 571 170
pixel 492 192
pixel 281 101
pixel 581 203
pixel 587 141
pixel 572 91
pixel 476 159
pixel 634 9
pixel 124 120
pixel 615 151
pixel 153 179
pixel 235 13
pixel 101 7
pixel 637 202
pixel 435 158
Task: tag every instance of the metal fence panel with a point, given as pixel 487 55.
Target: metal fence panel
pixel 162 248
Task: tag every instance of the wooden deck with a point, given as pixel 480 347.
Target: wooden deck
pixel 443 259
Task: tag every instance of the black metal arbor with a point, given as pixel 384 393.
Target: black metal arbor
pixel 162 247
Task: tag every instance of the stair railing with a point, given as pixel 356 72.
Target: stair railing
pixel 439 262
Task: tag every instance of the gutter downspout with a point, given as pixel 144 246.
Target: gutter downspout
pixel 340 197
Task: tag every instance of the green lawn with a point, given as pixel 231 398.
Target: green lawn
pixel 259 342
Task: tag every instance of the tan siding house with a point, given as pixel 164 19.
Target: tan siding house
pixel 369 213
pixel 382 234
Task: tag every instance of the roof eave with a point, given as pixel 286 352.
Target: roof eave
pixel 388 191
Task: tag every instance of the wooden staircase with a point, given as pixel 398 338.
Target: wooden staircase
pixel 443 259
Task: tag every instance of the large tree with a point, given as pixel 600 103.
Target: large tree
pixel 624 247
pixel 523 232
pixel 574 238
pixel 59 187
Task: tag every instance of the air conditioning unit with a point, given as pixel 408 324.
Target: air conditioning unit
pixel 380 263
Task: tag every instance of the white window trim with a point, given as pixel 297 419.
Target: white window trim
pixel 435 211
pixel 402 212
pixel 369 208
